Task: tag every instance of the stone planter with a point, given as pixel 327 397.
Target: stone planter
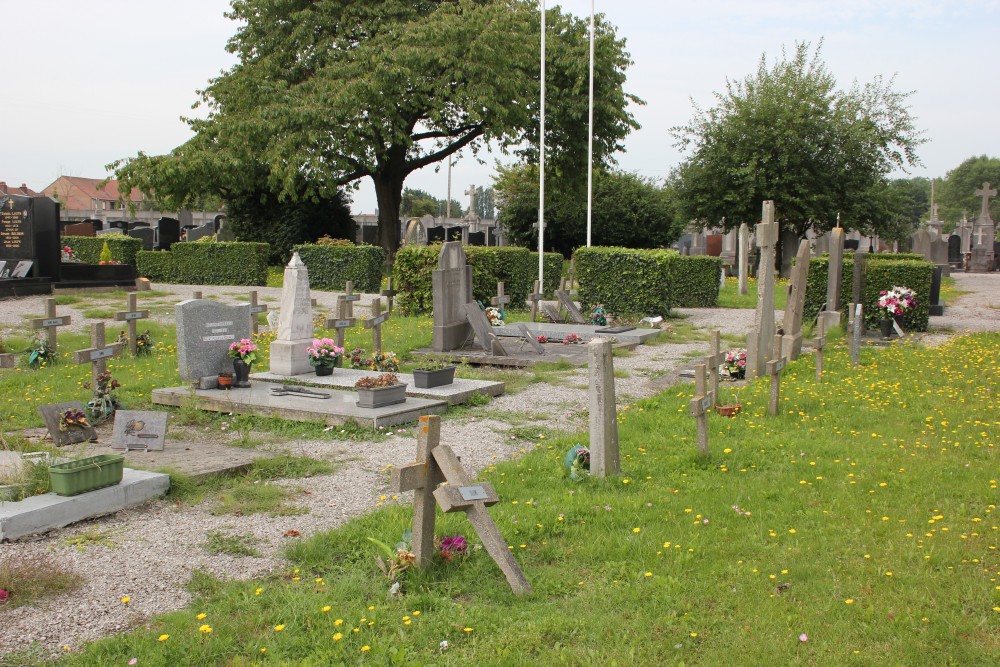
pixel 381 396
pixel 88 474
pixel 728 410
pixel 428 379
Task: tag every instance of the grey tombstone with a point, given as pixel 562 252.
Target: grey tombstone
pixel 530 338
pixel 729 241
pixel 225 233
pixel 936 307
pixel 983 235
pixel 295 322
pixel 205 329
pixel 604 454
pixel 759 339
pixel 566 301
pixel 488 339
pixel 452 289
pixel 921 241
pixel 144 234
pixel 835 270
pixel 552 313
pixel 139 429
pixel 184 217
pixel 744 260
pixel 200 232
pixel 52 414
pixel 791 345
pixel 789 246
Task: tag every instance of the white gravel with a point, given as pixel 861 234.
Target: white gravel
pixel 156 547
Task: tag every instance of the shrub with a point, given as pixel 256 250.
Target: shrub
pixel 224 263
pixel 157 265
pixel 694 281
pixel 331 265
pixel 625 280
pixel 88 248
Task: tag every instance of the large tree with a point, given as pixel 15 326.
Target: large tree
pixel 327 93
pixel 957 194
pixel 787 133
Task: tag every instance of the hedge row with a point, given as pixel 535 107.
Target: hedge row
pixel 233 263
pixel 628 281
pixel 88 248
pixel 516 267
pixel 332 265
pixel 882 272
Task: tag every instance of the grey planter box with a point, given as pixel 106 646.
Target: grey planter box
pixel 381 396
pixel 424 379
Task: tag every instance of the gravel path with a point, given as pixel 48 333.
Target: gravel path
pixel 154 549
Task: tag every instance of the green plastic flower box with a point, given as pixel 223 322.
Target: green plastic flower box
pixel 88 474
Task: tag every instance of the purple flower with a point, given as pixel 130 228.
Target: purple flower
pixel 456 544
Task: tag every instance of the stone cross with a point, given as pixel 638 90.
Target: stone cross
pixel 700 404
pixel 572 275
pixel 534 298
pixel 500 300
pixel 760 336
pixel 774 368
pixel 604 457
pixel 566 301
pixel 50 322
pixel 97 354
pixel 437 463
pixel 472 200
pixel 744 259
pixel 715 359
pixel 986 192
pixel 820 344
pixel 375 324
pixel 342 321
pixel 389 293
pixel 854 326
pixel 834 276
pixel 792 323
pixel 130 315
pixel 255 309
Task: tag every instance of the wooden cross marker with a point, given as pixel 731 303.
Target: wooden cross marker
pixel 255 310
pixel 50 322
pixel 774 368
pixel 820 344
pixel 97 354
pixel 342 322
pixel 389 293
pixel 437 463
pixel 129 316
pixel 500 300
pixel 534 298
pixel 375 324
pixel 702 401
pixel 572 275
pixel 713 361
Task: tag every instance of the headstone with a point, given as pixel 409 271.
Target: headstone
pixel 452 289
pixel 145 235
pixel 63 434
pixel 759 340
pixel 955 258
pixel 530 337
pixel 936 307
pixel 835 269
pixel 792 323
pixel 713 245
pixel 217 222
pixel 29 236
pixel 50 322
pixel 79 229
pixel 500 300
pixel 139 429
pixel 604 455
pixel 984 232
pixel 168 232
pixel 416 234
pixel 774 368
pixel 225 233
pixel 185 217
pixel 964 231
pixel 729 247
pixel 436 234
pixel 567 303
pixel 196 233
pixel 789 246
pixel 205 329
pixel 552 313
pixel 820 343
pixel 858 281
pixel 744 264
pixel 534 298
pixel 295 322
pixel 131 315
pixel 98 353
pixel 921 243
pixel 489 340
pixel 437 463
pixel 120 225
pixel 699 406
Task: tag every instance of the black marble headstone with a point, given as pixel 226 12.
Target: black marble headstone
pixel 477 238
pixel 435 234
pixel 937 308
pixel 29 231
pixel 168 232
pixel 955 251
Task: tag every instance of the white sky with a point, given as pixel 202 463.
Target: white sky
pixel 91 82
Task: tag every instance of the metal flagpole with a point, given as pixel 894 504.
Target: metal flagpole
pixel 590 134
pixel 541 165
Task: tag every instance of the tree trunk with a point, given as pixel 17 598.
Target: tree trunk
pixel 389 195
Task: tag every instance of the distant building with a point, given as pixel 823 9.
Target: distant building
pixel 23 191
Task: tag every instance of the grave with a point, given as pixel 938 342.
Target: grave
pixel 79 229
pixel 744 264
pixel 792 322
pixel 50 323
pixel 452 289
pixel 698 407
pixel 168 232
pixel 295 325
pixel 759 339
pixel 774 368
pixel 984 231
pixel 375 322
pixel 205 329
pixel 131 315
pixel 831 314
pixel 255 310
pixel 98 353
pixel 196 233
pixel 535 296
pixel 604 453
pixel 342 322
pixel 139 429
pixel 30 252
pixel 936 307
pixel 61 434
pixel 144 234
pixel 484 330
pixel 567 303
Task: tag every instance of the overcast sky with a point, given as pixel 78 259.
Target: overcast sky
pixel 91 82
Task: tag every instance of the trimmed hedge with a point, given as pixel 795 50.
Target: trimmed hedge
pixel 694 281
pixel 332 265
pixel 157 265
pixel 516 267
pixel 88 248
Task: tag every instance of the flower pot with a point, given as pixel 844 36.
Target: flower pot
pixel 225 381
pixel 381 396
pixel 728 410
pixel 428 379
pixel 322 371
pixel 94 472
pixel 241 373
pixel 886 328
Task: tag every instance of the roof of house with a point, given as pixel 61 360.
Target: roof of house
pixel 77 192
pixel 24 190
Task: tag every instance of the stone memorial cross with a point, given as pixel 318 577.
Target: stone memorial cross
pixel 342 321
pixel 389 293
pixel 774 368
pixel 986 192
pixel 566 301
pixel 295 322
pixel 97 354
pixel 835 269
pixel 534 298
pixel 375 323
pixel 760 336
pixel 604 454
pixel 792 322
pixel 50 322
pixel 130 316
pixel 255 309
pixel 699 406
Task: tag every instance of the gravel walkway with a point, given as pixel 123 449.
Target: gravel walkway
pixel 152 550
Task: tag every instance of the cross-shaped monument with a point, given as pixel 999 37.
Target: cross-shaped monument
pixel 472 200
pixel 255 309
pixel 774 368
pixel 534 298
pixel 437 463
pixel 50 322
pixel 341 322
pixel 986 192
pixel 130 316
pixel 759 339
pixel 97 354
pixel 375 324
pixel 500 300
pixel 703 400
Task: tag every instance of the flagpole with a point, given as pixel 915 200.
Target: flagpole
pixel 541 165
pixel 590 134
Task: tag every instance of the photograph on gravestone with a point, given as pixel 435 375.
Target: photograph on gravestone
pixel 67 423
pixel 139 429
pixel 205 329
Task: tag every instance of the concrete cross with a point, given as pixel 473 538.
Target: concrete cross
pixel 130 315
pixel 422 477
pixel 854 323
pixel 985 192
pixel 534 298
pixel 255 309
pixel 699 406
pixel 375 324
pixel 472 200
pixel 341 322
pixel 50 322
pixel 715 359
pixel 820 344
pixel 97 354
pixel 349 298
pixel 774 368
pixel 604 451
pixel 389 293
pixel 500 300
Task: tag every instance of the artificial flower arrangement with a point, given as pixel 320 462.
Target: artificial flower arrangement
pixel 143 343
pixel 599 316
pixel 577 462
pixel 452 548
pixel 68 254
pixel 494 316
pixel 40 353
pixel 386 362
pixel 897 300
pixel 244 349
pixel 736 363
pixel 571 339
pixel 542 339
pixel 377 381
pixel 105 401
pixel 324 353
pixel 73 418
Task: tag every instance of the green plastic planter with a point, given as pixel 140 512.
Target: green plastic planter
pixel 94 472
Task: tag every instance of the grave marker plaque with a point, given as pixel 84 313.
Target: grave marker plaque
pixel 61 434
pixel 139 429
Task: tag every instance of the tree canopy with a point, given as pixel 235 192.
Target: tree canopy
pixel 957 193
pixel 787 133
pixel 418 203
pixel 327 93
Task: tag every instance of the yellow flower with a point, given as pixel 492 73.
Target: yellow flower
pixel 163 638
pixel 258 591
pixel 637 530
pixel 849 601
pixel 207 629
pixel 416 613
pixel 279 628
pixel 365 648
pixel 649 574
pixel 201 616
pixel 326 609
pixel 337 637
pixel 468 629
pixel 694 634
pixel 339 621
pixel 125 600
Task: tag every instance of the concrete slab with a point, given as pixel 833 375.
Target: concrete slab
pixel 338 409
pixel 584 331
pixel 39 514
pixel 519 357
pixel 344 378
pixel 193 458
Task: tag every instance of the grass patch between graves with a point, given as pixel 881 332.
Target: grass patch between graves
pixel 29 577
pixel 730 297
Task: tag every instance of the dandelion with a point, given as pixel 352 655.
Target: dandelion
pixel 849 601
pixel 163 638
pixel 337 637
pixel 693 635
pixel 126 599
pixel 206 629
pixel 365 648
pixel 279 628
pixel 201 616
pixel 258 591
pixel 339 621
pixel 467 629
pixel 637 530
pixel 326 609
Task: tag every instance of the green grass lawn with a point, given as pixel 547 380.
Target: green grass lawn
pixel 730 297
pixel 857 527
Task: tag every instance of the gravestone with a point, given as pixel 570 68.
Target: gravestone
pixel 716 357
pixel 144 234
pixel 131 315
pixel 921 243
pixel 713 245
pixel 792 323
pixel 489 340
pixel 452 289
pixel 744 260
pixel 185 218
pixel 729 247
pixel 63 435
pixel 936 307
pixel 139 429
pixel 955 258
pixel 50 322
pixel 566 301
pixel 759 339
pixel 295 323
pixel 698 407
pixel 477 238
pixel 200 232
pixel 774 368
pixel 217 222
pixel 858 280
pixel 697 244
pixel 29 232
pixel 79 229
pixel 225 233
pixel 789 246
pixel 205 329
pixel 168 232
pixel 984 231
pixel 120 225
pixel 604 454
pixel 535 296
pixel 530 337
pixel 835 269
pixel 435 234
pixel 500 300
pixel 341 322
